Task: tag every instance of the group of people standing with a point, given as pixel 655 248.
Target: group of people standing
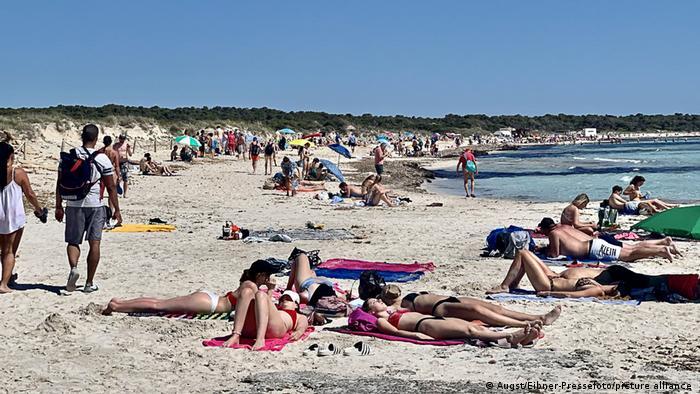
pixel 84 174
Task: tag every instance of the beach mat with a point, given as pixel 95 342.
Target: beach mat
pixel 185 316
pixel 307 234
pixel 272 344
pixel 527 295
pixel 388 276
pixel 375 265
pixel 388 337
pixel 143 228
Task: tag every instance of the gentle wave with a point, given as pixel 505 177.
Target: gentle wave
pixel 617 160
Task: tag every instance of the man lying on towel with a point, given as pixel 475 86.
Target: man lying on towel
pixel 565 240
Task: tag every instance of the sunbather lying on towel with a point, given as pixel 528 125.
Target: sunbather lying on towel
pixel 202 301
pixel 562 243
pixel 302 278
pixel 467 308
pixel 405 323
pixel 267 320
pixel 590 282
pixel 350 191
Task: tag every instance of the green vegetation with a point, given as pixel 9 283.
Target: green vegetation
pixel 266 119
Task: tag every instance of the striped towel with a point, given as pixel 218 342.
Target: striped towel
pixel 186 316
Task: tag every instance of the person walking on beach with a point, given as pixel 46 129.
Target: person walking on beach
pixel 269 156
pixel 113 156
pixel 85 215
pixel 13 183
pixel 467 164
pixel 379 155
pixel 254 152
pixel 125 151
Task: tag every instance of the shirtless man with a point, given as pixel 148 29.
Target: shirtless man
pixel 349 191
pixel 625 207
pixel 562 243
pixel 125 151
pixel 113 156
pixel 572 216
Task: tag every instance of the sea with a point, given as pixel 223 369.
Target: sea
pixel 560 172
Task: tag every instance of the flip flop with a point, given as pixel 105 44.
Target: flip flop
pixel 328 350
pixel 311 350
pixel 358 349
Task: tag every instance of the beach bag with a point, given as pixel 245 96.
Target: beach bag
pixel 360 320
pixel 517 240
pixel 75 175
pixel 332 305
pixel 471 166
pixel 371 284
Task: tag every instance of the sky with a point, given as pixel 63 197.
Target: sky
pixel 416 58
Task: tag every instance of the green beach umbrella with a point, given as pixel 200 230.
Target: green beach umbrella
pixel 681 222
pixel 187 140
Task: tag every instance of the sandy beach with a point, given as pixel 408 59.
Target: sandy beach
pixel 57 342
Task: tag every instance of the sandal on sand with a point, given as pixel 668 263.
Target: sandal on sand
pixel 328 350
pixel 311 350
pixel 90 288
pixel 358 349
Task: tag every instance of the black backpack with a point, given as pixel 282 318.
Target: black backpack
pixel 255 149
pixel 75 175
pixel 371 284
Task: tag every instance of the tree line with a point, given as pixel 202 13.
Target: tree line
pixel 272 119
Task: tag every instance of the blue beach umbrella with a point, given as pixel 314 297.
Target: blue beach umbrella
pixel 383 140
pixel 333 169
pixel 382 137
pixel 286 131
pixel 341 150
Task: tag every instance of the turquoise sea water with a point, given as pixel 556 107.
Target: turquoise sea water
pixel 559 173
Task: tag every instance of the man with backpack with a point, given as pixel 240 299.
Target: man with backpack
pixel 79 175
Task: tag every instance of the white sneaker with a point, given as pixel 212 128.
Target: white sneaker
pixel 328 350
pixel 72 279
pixel 358 349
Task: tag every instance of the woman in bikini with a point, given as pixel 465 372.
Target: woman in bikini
pixel 268 320
pixel 467 308
pixel 202 301
pixel 572 282
pixel 404 323
pixel 635 194
pixel 302 278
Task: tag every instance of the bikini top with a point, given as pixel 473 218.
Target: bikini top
pixel 292 314
pixel 395 317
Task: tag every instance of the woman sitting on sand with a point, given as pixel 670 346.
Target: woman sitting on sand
pixel 571 215
pixel 150 167
pixel 202 301
pixel 591 282
pixel 269 320
pixel 405 323
pixel 633 191
pixel 469 309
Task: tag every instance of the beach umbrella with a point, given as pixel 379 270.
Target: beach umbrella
pixel 341 150
pixel 286 131
pixel 382 137
pixel 312 135
pixel 681 222
pixel 187 140
pixel 383 140
pixel 408 134
pixel 333 169
pixel 301 142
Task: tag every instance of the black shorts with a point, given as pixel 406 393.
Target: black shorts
pixel 379 168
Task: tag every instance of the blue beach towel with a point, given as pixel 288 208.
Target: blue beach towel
pixel 389 276
pixel 527 295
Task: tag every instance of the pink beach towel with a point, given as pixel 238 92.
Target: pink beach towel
pixel 362 265
pixel 272 344
pixel 387 337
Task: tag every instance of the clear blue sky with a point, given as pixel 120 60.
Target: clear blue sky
pixel 423 58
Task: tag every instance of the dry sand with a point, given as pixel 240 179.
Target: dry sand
pixel 61 343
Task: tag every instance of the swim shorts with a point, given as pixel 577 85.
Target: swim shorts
pixel 601 250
